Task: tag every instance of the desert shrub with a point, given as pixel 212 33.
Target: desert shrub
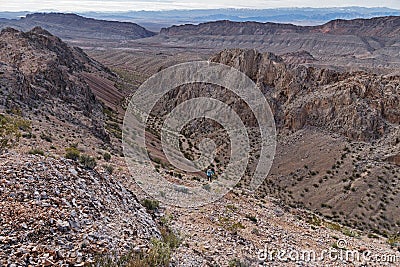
pixel 150 204
pixel 156 160
pixel 108 168
pixel 36 151
pixel 230 224
pixel 206 187
pixel 10 130
pixel 72 153
pixel 159 255
pixel 394 240
pixel 170 238
pixel 88 162
pixel 107 156
pixel 314 220
pixel 237 263
pixel 182 189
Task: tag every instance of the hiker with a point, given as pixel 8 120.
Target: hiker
pixel 210 173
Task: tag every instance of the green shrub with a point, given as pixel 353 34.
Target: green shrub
pixel 88 162
pixel 107 156
pixel 237 263
pixel 170 238
pixel 72 153
pixel 109 169
pixel 394 240
pixel 36 151
pixel 150 204
pixel 10 130
pixel 229 224
pixel 159 255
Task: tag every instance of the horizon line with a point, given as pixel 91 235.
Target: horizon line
pixel 192 9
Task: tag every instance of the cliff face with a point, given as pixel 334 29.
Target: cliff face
pixel 42 75
pixel 357 105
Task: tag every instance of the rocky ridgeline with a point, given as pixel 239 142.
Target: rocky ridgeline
pixel 358 105
pixel 54 212
pixel 41 75
pixel 379 26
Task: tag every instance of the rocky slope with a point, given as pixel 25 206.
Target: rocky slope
pixel 75 27
pixel 233 231
pixel 55 212
pixel 42 76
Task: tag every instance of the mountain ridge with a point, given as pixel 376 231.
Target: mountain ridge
pixel 338 26
pixel 39 69
pixel 70 26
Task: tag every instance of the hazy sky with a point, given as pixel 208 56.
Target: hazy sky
pixel 125 5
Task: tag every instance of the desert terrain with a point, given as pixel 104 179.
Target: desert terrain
pixel 69 199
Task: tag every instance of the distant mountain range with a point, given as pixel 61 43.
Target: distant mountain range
pixel 379 27
pixel 75 27
pixel 154 20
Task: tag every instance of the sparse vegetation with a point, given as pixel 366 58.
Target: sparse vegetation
pixel 229 224
pixel 108 168
pixel 88 162
pixel 394 240
pixel 237 263
pixel 159 255
pixel 36 151
pixel 150 204
pixel 72 153
pixel 107 156
pixel 10 130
